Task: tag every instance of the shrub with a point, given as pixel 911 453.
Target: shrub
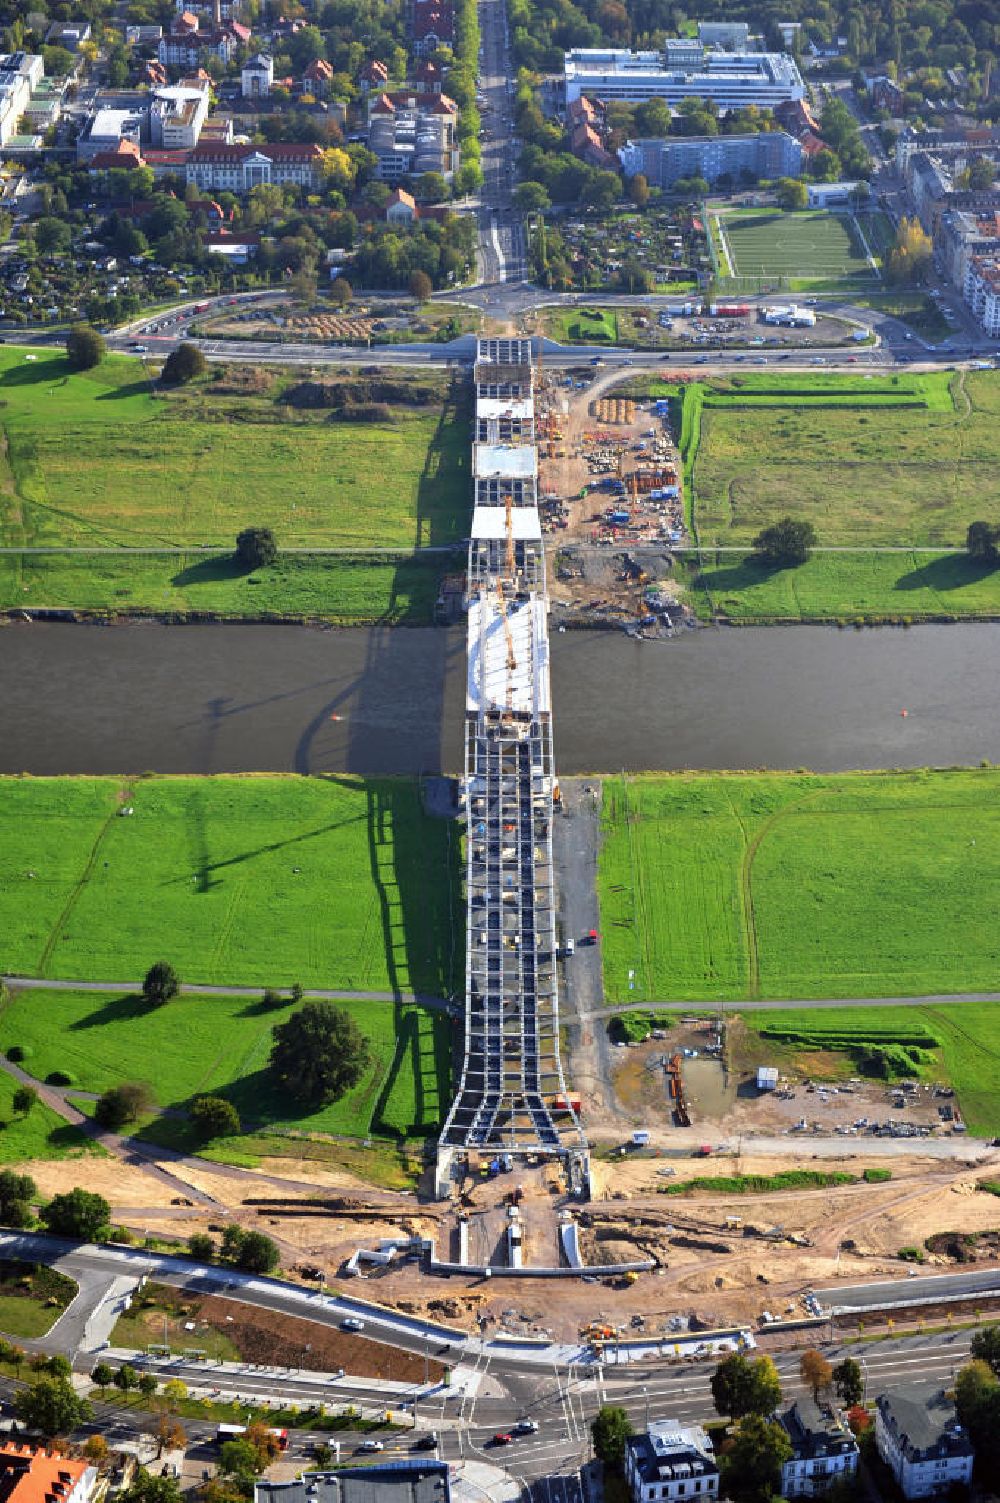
pixel 182 365
pixel 364 412
pixel 84 347
pixel 60 1078
pixel 877 1176
pixel 17 1053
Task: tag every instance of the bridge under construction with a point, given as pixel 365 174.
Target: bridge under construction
pixel 512 1095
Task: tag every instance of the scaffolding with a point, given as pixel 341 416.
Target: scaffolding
pixel 512 1094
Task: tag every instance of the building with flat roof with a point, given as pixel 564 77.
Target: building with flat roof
pixel 681 71
pixel 408 1481
pixel 921 1442
pixel 671 1461
pixel 760 154
pixel 822 1449
pixel 20 74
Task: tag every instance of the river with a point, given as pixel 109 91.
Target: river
pixel 203 699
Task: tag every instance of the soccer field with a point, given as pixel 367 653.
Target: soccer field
pixel 807 245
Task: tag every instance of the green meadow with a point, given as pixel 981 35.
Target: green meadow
pixel 790 885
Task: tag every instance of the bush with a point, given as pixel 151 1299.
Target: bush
pixel 122 1104
pixel 256 548
pixel 182 365
pixel 84 347
pixel 214 1117
pixel 17 1053
pixel 364 412
pixel 877 1176
pixel 60 1078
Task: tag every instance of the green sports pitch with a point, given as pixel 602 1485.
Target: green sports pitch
pixel 808 245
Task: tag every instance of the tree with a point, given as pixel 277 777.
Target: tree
pixel 239 1458
pixel 145 1488
pixel 653 118
pixel 420 285
pixel 201 1246
pixel 23 1099
pixel 910 256
pixel 51 1406
pixel 431 188
pixel 170 1434
pixel 982 541
pixel 52 236
pixel 103 1376
pixel 123 1103
pixel 84 347
pixel 257 1253
pixel 126 1377
pixel 17 1192
pixel 849 1381
pixel 816 1371
pixel 638 189
pixel 791 193
pixel 531 198
pixel 610 1430
pixel 160 983
pixel 175 1391
pixel 147 1385
pixel 985 1347
pixel 255 548
pixel 785 542
pixel 741 1387
pixel 751 1462
pixel 79 1214
pixel 981 173
pixel 232 1238
pixel 341 291
pixel 95 1449
pixel 214 1117
pixel 182 365
pixel 319 1053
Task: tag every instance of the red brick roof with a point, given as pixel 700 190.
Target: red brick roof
pixel 276 151
pixel 31 1475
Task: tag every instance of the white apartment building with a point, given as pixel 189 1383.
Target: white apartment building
pixel 671 1461
pixel 822 1450
pixel 921 1442
pixel 981 291
pixel 684 70
pixel 20 72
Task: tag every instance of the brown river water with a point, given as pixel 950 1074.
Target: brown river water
pixel 204 699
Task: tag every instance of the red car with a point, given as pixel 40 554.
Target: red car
pixel 502 1439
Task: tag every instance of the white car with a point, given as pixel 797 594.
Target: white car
pixel 352 1324
pixel 371 1445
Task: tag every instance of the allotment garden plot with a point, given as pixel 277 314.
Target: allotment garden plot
pixel 799 885
pixel 812 245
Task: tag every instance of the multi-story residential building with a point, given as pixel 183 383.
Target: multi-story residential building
pixel 257 76
pixel 670 1462
pixel 762 154
pixel 921 1442
pixel 432 25
pixel 684 69
pixel 961 234
pixel 823 1449
pixel 240 168
pixel 185 43
pixel 20 73
pixel 981 290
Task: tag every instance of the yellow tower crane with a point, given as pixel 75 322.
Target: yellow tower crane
pixel 509 558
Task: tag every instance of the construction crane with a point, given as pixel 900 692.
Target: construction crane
pixel 509 558
pixel 509 637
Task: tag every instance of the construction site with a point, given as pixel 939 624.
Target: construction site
pixel 511 1096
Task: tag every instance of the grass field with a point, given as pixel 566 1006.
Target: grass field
pixel 32 1298
pixel 246 880
pixel 846 587
pixel 896 459
pixel 809 245
pixel 39 1135
pixel 99 459
pixel 915 309
pixel 198 1044
pixel 965 1035
pixel 799 885
pixel 340 588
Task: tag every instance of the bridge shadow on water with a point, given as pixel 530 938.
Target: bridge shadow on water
pixel 394 715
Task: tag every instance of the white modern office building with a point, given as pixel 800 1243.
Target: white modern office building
pixel 684 70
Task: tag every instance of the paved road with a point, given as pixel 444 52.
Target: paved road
pixel 37 983
pixel 930 999
pixel 936 1287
